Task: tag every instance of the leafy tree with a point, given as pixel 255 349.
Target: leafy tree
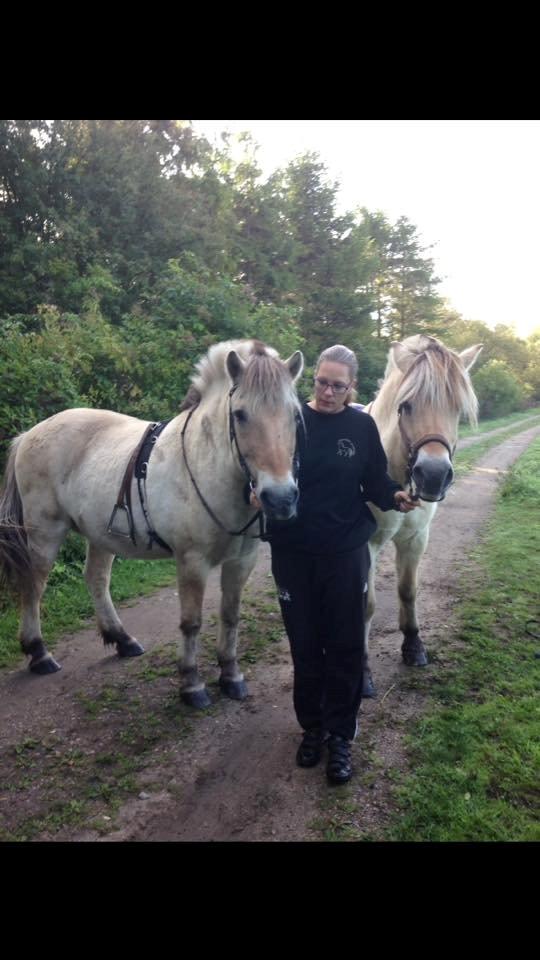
pixel 414 303
pixel 531 374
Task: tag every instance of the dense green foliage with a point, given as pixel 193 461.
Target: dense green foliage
pixel 128 246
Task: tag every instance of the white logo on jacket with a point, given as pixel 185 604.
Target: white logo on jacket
pixel 346 448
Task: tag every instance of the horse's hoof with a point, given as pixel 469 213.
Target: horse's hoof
pixel 235 689
pixel 48 665
pixel 369 690
pixel 198 699
pixel 416 657
pixel 129 649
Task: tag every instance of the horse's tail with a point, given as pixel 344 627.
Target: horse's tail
pixel 15 563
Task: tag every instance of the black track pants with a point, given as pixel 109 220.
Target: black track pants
pixel 322 601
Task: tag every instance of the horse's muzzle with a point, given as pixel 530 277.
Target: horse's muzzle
pixel 279 504
pixel 432 477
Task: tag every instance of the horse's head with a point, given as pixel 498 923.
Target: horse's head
pixel 263 413
pixel 432 389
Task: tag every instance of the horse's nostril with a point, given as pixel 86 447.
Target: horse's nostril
pixel 432 476
pixel 281 503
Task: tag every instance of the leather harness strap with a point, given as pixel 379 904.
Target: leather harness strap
pixel 137 466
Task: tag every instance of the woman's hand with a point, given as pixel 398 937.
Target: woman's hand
pixel 404 502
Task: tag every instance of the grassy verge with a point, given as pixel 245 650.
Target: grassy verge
pixel 475 754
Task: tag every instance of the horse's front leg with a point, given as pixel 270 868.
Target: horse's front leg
pixel 192 575
pixel 368 687
pixel 234 574
pixel 409 552
pixel 388 525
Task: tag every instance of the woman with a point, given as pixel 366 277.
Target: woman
pixel 320 561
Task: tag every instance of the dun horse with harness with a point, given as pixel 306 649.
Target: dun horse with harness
pixel 181 494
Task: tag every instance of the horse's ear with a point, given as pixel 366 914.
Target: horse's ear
pixel 401 355
pixel 470 355
pixel 295 363
pixel 235 366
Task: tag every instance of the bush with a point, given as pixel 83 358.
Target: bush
pixel 498 390
pixel 37 381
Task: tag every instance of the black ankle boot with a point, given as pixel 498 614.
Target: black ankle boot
pixel 310 750
pixel 339 767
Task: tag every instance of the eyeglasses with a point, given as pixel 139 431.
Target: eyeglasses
pixel 338 388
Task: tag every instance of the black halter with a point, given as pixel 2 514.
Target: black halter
pixel 413 449
pixel 234 441
pixel 243 465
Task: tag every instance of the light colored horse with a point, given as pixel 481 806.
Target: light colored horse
pixel 425 389
pixel 66 473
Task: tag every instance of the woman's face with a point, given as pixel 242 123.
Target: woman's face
pixel 332 387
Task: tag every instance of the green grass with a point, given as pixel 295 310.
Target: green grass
pixel 476 753
pixel 67 604
pixel 484 425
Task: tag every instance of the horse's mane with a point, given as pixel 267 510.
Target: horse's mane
pixel 265 381
pixel 435 377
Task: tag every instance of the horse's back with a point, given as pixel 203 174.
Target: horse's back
pixel 80 425
pixel 65 445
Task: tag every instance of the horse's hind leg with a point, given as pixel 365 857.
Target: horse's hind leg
pixel 192 576
pixel 44 541
pixel 408 556
pixel 234 574
pixel 97 573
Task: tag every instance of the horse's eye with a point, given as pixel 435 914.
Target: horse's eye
pixel 405 408
pixel 240 416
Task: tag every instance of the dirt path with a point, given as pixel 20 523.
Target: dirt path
pixel 478 437
pixel 228 774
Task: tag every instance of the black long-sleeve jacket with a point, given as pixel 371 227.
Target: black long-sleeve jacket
pixel 342 464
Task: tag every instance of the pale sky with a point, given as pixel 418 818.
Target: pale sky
pixel 471 187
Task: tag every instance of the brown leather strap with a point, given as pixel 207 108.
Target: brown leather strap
pixel 430 438
pixel 124 494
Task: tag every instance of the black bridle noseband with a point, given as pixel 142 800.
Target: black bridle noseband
pixel 413 448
